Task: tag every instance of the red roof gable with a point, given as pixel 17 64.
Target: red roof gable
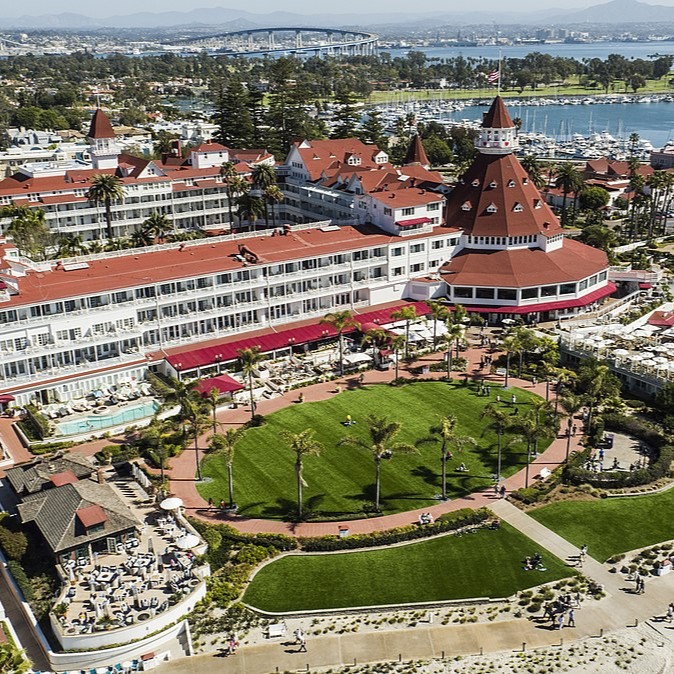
pixel 222 383
pixel 416 153
pixel 91 516
pixel 66 477
pixel 497 116
pixel 100 126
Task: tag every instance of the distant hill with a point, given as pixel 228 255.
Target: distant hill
pixel 618 11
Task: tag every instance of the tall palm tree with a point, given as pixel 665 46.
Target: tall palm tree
pixel 157 226
pixel 569 180
pixel 340 320
pixel 302 444
pixel 452 337
pixel 546 419
pixel 106 188
pixel 263 177
pixel 224 444
pixel 533 168
pixel 249 358
pixel 397 344
pixel 70 245
pixel 381 445
pixel 229 175
pixel 527 427
pixel 407 314
pixel 500 422
pixel 571 404
pixel 199 423
pixel 250 208
pixel 139 239
pixel 273 195
pixel 213 398
pixel 510 344
pixel 439 312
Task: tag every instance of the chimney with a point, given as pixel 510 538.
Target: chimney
pixel 176 148
pixel 99 476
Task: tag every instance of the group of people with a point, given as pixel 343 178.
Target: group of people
pixel 534 563
pixel 560 609
pixel 425 518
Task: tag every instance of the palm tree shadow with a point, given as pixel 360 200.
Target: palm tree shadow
pixel 244 510
pixel 430 477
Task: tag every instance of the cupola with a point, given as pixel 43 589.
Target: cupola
pixel 498 133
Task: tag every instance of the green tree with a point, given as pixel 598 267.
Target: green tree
pixel 28 230
pixel 500 422
pixel 438 151
pixel 533 168
pixel 381 445
pixel 157 226
pixel 569 180
pixel 224 444
pixel 106 188
pixel 232 113
pixel 452 337
pixel 250 208
pixel 273 195
pixel 70 245
pixel 263 177
pixel 249 358
pixel 12 660
pixel 341 321
pixel 407 314
pixel 302 444
pixel 373 130
pixel 439 313
pixel 346 116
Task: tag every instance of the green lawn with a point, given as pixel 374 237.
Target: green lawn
pixel 340 482
pixel 611 526
pixel 482 564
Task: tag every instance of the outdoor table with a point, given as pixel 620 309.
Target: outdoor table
pixel 104 577
pixel 145 615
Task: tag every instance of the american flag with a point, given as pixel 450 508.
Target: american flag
pixel 493 77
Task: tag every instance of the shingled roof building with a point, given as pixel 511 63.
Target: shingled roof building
pixel 513 257
pixel 41 474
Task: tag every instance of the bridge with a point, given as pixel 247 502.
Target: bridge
pixel 295 40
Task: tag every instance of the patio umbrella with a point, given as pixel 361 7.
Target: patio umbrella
pixel 172 503
pixel 621 352
pixel 188 541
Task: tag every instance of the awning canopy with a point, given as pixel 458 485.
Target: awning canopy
pixel 645 286
pixel 274 341
pixel 413 221
pixel 7 398
pixel 223 383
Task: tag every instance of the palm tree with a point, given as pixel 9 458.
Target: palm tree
pixel 533 168
pixel 157 226
pixel 199 424
pixel 439 312
pixel 303 444
pixel 374 337
pixel 249 358
pixel 381 445
pixel 500 422
pixel 546 419
pixel 510 344
pixel 224 444
pixel 250 208
pixel 397 344
pixel 571 403
pixel 105 189
pixel 229 176
pixel 340 320
pixel 568 180
pixel 139 239
pixel 273 195
pixel 263 177
pixel 28 230
pixel 452 336
pixel 407 314
pixel 70 245
pixel 213 398
pixel 527 427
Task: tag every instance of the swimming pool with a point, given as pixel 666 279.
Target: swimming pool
pixel 98 423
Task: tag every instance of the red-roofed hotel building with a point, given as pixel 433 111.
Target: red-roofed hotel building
pixel 73 326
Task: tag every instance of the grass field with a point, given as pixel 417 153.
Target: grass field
pixel 485 563
pixel 571 88
pixel 340 482
pixel 611 526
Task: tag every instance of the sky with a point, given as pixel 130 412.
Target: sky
pixel 37 7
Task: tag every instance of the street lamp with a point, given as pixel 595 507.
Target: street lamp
pixel 569 424
pixel 179 367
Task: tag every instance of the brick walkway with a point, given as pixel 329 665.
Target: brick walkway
pixel 182 468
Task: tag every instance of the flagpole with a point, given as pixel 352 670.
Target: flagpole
pixel 500 59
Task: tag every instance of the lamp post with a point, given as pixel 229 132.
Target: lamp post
pixel 179 367
pixel 569 424
pixel 218 362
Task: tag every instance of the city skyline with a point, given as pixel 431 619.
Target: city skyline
pixel 124 7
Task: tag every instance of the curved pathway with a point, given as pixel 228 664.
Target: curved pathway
pixel 182 468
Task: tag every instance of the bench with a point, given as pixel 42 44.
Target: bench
pixel 545 473
pixel 276 630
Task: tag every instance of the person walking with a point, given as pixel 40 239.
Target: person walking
pixel 583 552
pixel 303 644
pixel 670 613
pixel 571 619
pixel 560 621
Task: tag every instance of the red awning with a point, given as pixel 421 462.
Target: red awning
pixel 645 286
pixel 223 382
pixel 413 221
pixel 595 295
pixel 662 318
pixel 7 398
pixel 370 325
pixel 273 341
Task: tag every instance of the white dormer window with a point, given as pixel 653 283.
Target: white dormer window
pixel 511 183
pixel 475 183
pixel 517 208
pixel 493 184
pixel 525 181
pixel 537 203
pixel 466 206
pixel 492 208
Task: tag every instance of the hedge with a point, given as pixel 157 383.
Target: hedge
pixel 448 522
pixel 21 579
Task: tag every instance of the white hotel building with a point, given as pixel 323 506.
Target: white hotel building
pixel 73 326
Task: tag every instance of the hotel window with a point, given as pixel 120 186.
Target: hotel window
pixel 506 294
pixel 476 183
pixel 463 292
pixel 397 252
pixel 466 206
pixel 433 207
pixel 582 285
pixel 567 288
pixel 408 211
pixel 493 184
pixel 484 293
pixel 525 181
pixel 603 275
pixel 529 293
pixel 417 248
pixel 416 268
pixel 398 271
pixel 387 210
pixel 437 244
pixel 593 280
pixel 548 291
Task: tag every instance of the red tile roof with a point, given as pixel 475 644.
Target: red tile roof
pixel 497 116
pixel 223 383
pixel 66 477
pixel 416 153
pixel 100 126
pixel 525 267
pixel 661 318
pixel 321 155
pixel 413 221
pixel 91 515
pixel 209 147
pixel 499 182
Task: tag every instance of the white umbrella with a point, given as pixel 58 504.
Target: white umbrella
pixel 172 503
pixel 188 541
pixel 508 321
pixel 621 352
pixel 127 665
pixel 661 360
